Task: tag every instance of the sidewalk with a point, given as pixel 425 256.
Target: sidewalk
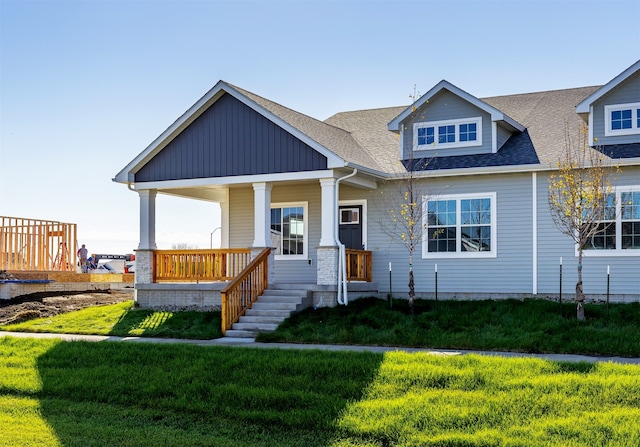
pixel 251 343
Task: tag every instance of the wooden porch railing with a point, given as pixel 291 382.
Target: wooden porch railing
pixel 359 265
pixel 199 265
pixel 244 290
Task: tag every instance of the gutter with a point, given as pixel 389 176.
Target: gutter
pixel 342 262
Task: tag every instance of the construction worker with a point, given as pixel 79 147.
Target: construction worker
pixel 82 254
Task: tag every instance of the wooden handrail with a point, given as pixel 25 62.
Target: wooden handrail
pixel 199 265
pixel 240 294
pixel 359 265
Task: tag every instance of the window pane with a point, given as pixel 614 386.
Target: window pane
pixel 621 119
pixel 631 235
pixel 476 238
pixel 630 205
pixel 468 132
pixel 604 239
pixel 426 135
pixel 475 211
pixel 610 207
pixel 441 235
pixel 446 134
pixel 287 234
pixel 441 239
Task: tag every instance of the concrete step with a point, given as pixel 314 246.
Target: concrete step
pixel 274 306
pixel 261 319
pixel 234 333
pixel 280 299
pixel 268 313
pixel 255 327
pixel 284 292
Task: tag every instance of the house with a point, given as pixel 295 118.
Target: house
pixel 302 187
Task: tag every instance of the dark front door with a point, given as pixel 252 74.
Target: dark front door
pixel 350 228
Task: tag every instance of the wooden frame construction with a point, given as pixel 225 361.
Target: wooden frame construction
pixel 37 245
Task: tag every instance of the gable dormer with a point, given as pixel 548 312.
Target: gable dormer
pixel 613 111
pixel 447 121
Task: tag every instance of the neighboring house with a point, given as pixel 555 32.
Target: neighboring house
pixel 285 179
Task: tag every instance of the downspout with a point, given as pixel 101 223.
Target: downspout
pixel 342 264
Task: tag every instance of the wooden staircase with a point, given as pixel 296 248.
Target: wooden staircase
pixel 272 308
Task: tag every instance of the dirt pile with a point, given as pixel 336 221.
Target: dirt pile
pixel 49 304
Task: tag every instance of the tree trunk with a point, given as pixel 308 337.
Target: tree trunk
pixel 579 291
pixel 412 290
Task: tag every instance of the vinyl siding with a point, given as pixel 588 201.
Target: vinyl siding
pixel 509 272
pixel 241 217
pixel 230 139
pixel 447 106
pixel 625 271
pixel 503 136
pixel 627 92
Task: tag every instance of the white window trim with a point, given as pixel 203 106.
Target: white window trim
pixel 477 120
pixel 363 216
pixel 493 253
pixel 634 106
pixel 618 251
pixel 305 222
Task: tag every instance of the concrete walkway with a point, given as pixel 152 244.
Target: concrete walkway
pixel 251 343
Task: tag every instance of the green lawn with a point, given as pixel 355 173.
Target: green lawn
pixel 55 393
pixel 124 320
pixel 509 325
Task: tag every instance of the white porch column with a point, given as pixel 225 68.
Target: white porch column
pixel 262 215
pixel 329 212
pixel 327 253
pixel 144 253
pixel 147 219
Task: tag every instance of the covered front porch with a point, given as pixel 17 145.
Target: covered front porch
pixel 297 241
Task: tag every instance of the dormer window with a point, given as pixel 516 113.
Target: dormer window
pixel 622 119
pixel 447 134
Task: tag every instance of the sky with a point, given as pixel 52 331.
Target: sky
pixel 86 85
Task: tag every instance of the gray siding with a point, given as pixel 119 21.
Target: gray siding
pixel 626 92
pixel 230 139
pixel 503 136
pixel 509 272
pixel 447 106
pixel 625 271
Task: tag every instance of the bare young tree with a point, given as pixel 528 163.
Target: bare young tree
pixel 580 198
pixel 403 215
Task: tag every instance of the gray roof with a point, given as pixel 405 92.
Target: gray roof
pixel 362 137
pixel 544 114
pixel 547 116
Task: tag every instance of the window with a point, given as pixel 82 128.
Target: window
pixel 622 119
pixel 460 226
pixel 447 134
pixel 288 230
pixel 620 229
pixel 349 216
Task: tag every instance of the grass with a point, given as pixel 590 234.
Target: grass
pixel 56 393
pixel 510 325
pixel 124 320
